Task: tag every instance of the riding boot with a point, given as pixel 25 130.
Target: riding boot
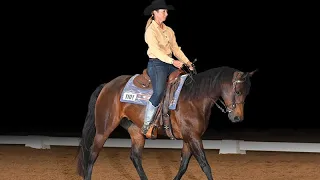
pixel 148 117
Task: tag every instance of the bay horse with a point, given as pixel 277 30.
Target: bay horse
pixel 189 120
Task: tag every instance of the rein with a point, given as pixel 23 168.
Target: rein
pixel 186 69
pixel 224 111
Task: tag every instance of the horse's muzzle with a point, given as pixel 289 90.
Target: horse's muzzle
pixel 234 119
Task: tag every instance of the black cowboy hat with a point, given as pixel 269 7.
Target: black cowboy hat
pixel 157 4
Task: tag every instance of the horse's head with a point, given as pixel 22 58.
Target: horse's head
pixel 234 94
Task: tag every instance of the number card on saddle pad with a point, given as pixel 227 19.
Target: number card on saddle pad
pixel 133 94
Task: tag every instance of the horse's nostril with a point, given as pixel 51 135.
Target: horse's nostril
pixel 237 118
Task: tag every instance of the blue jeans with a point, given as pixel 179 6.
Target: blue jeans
pixel 158 72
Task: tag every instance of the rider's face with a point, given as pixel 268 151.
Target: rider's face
pixel 161 14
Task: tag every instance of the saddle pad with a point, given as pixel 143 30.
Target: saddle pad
pixel 135 95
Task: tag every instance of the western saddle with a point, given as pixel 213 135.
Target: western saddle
pixel 162 116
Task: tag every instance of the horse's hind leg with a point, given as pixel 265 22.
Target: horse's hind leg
pixel 185 158
pixel 100 138
pixel 197 150
pixel 97 146
pixel 137 145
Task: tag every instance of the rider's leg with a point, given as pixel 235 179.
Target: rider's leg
pixel 158 73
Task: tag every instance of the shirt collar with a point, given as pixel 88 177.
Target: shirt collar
pixel 155 24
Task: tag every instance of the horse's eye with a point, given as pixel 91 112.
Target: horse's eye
pixel 238 93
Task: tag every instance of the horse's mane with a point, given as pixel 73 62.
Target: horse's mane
pixel 206 83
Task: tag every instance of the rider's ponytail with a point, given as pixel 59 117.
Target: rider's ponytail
pixel 149 22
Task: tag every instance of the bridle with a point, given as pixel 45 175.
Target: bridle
pixel 230 108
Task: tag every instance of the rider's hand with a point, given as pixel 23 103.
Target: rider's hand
pixel 177 64
pixel 189 64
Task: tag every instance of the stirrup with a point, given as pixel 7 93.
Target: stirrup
pixel 144 129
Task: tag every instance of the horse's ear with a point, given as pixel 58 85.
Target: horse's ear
pixel 252 72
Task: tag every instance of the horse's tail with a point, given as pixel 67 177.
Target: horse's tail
pixel 88 133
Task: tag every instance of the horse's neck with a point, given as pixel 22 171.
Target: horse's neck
pixel 216 94
pixel 209 103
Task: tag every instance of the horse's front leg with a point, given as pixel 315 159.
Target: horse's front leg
pixel 197 150
pixel 137 145
pixel 185 158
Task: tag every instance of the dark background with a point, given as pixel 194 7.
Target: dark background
pixel 62 52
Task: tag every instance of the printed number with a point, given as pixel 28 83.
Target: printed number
pixel 129 96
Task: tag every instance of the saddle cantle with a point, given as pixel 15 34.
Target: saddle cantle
pixel 162 116
pixel 143 80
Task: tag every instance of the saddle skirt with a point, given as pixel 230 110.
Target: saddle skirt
pixel 132 93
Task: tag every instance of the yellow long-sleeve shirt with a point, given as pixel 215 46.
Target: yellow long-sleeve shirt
pixel 162 43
